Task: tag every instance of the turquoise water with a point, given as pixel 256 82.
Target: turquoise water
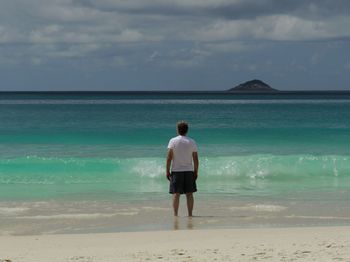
pixel 112 146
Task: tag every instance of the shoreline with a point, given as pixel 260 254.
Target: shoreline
pixel 262 244
pixel 90 217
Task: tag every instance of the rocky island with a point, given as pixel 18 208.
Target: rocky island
pixel 253 85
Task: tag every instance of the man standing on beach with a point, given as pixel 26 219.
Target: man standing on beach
pixel 182 157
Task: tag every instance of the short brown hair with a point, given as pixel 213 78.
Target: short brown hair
pixel 182 128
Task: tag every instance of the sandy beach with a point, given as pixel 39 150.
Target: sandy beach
pixel 258 244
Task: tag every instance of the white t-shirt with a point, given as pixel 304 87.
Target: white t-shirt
pixel 182 147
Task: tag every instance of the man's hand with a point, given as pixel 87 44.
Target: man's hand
pixel 169 158
pixel 168 175
pixel 196 164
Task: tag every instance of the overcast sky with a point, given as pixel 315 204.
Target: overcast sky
pixel 173 45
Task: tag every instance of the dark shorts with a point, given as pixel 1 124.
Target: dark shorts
pixel 182 182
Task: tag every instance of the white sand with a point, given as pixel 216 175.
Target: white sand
pixel 266 244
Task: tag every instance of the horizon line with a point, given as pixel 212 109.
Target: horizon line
pixel 174 91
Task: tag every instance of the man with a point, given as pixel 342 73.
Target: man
pixel 182 157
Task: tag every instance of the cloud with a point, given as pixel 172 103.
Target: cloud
pixel 189 57
pixel 185 32
pixel 347 66
pixel 228 9
pixel 57 34
pixel 153 57
pixel 277 28
pixel 5 35
pixel 229 46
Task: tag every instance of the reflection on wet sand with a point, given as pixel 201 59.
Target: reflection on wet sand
pixel 177 223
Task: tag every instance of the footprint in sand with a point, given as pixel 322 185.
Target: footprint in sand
pixel 80 259
pixel 178 252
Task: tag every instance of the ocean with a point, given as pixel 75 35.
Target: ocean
pixel 95 162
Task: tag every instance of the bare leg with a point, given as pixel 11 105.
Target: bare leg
pixel 176 201
pixel 176 223
pixel 190 202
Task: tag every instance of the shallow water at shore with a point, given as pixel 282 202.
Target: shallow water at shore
pixel 223 211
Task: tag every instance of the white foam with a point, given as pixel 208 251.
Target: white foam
pixel 80 216
pixel 259 208
pixel 318 217
pixel 155 208
pixel 8 211
pixel 148 168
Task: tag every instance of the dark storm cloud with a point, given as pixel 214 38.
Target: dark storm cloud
pixel 108 21
pixel 246 9
pixel 231 20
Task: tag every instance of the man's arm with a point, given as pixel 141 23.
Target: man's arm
pixel 195 163
pixel 169 158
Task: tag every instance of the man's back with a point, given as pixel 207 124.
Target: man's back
pixel 183 148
